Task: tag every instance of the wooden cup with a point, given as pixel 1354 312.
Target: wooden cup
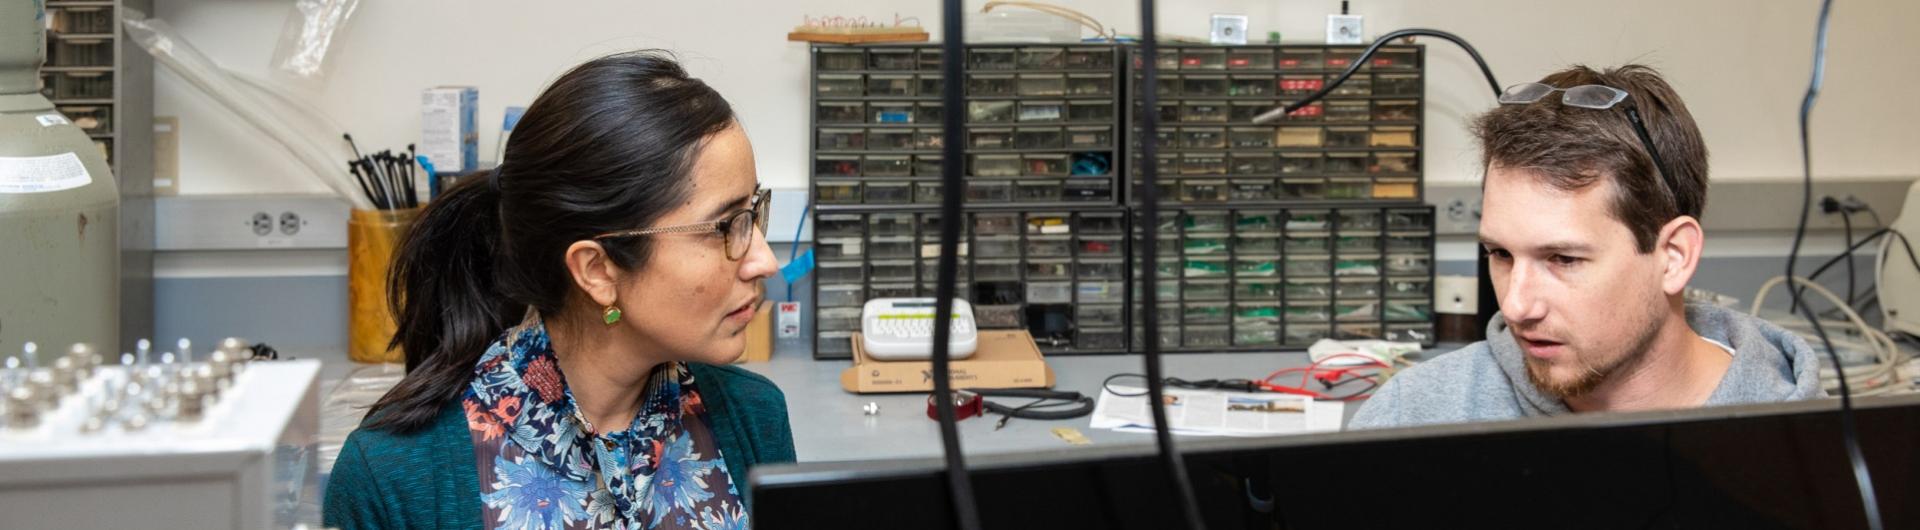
pixel 373 236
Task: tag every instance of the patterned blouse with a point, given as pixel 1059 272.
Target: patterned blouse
pixel 542 467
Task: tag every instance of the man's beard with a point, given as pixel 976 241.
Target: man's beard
pixel 1591 376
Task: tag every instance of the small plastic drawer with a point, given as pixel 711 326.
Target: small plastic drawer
pixel 1169 336
pixel 839 60
pixel 1204 112
pixel 990 224
pixel 1304 335
pixel 891 271
pixel 1308 312
pixel 1250 86
pixel 891 112
pixel 1410 265
pixel 1089 58
pixel 1087 110
pixel 1357 290
pixel 889 140
pixel 1421 333
pixel 990 111
pixel 1205 313
pixel 1396 84
pixel 1301 85
pixel 1256 289
pixel 1098 292
pixel 1256 335
pixel 1356 311
pixel 898 59
pixel 1041 58
pixel 1045 165
pixel 889 193
pixel 1348 111
pixel 1255 267
pixel 928 112
pixel 928 166
pixel 992 59
pixel 1393 136
pixel 1089 137
pixel 1252 164
pixel 1100 339
pixel 931 85
pixel 836 192
pixel 1346 163
pixel 999 316
pixel 829 112
pixel 840 225
pixel 1308 289
pixel 842 139
pixel 1083 85
pixel 891 248
pixel 1394 163
pixel 1051 269
pixel 1300 163
pixel 1362 221
pixel 1314 267
pixel 79 52
pixel 842 295
pixel 1351 245
pixel 997 247
pixel 891 85
pixel 1252 190
pixel 1251 137
pixel 984 270
pixel 1410 288
pixel 990 85
pixel 1042 111
pixel 887 166
pixel 1340 59
pixel 1356 267
pixel 79 85
pixel 1206 289
pixel 1206 337
pixel 1097 315
pixel 1358 85
pixel 840 319
pixel 927 139
pixel 890 224
pixel 1246 111
pixel 996 165
pixel 1302 59
pixel 1049 293
pixel 1256 313
pixel 1044 190
pixel 1202 245
pixel 1409 311
pixel 1037 85
pixel 1049 224
pixel 1345 137
pixel 80 20
pixel 1303 188
pixel 835 272
pixel 1087 269
pixel 833 344
pixel 1409 219
pixel 1396 110
pixel 1203 191
pixel 1099 246
pixel 1035 138
pixel 930 271
pixel 1256 245
pixel 1249 59
pixel 1368 331
pixel 1102 223
pixel 1049 246
pixel 1203 59
pixel 838 249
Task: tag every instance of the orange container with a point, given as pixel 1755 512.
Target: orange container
pixel 373 237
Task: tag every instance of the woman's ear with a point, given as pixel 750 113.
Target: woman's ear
pixel 1679 246
pixel 593 271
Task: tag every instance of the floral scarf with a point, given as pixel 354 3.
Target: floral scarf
pixel 541 467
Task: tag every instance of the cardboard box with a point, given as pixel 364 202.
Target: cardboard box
pixel 1004 359
pixel 759 337
pixel 448 135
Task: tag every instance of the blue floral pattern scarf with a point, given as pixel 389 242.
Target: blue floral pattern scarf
pixel 542 467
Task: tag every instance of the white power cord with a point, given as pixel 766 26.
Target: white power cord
pixel 1881 377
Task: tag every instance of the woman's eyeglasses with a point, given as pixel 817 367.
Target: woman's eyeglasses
pixel 1598 97
pixel 736 228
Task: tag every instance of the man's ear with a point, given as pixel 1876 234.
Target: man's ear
pixel 1678 248
pixel 593 271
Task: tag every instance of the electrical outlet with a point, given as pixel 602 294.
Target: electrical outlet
pixel 262 223
pixel 290 223
pixel 202 222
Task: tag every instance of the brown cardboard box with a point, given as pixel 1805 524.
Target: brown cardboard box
pixel 1004 359
pixel 759 337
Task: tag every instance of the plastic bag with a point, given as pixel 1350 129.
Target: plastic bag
pixel 300 58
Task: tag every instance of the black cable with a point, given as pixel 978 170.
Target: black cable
pixel 1241 385
pixel 1861 476
pixel 1042 399
pixel 1150 213
pixel 1846 221
pixel 1368 55
pixel 953 52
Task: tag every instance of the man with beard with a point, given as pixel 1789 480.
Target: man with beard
pixel 1595 183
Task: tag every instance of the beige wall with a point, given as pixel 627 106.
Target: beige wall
pixel 1741 64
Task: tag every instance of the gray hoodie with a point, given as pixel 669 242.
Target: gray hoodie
pixel 1487 380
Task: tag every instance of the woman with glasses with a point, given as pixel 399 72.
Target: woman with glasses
pixel 568 319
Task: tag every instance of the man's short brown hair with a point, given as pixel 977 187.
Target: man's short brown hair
pixel 1574 147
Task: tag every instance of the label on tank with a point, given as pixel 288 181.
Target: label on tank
pixel 40 174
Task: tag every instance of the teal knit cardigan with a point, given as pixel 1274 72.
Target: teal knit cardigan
pixel 427 479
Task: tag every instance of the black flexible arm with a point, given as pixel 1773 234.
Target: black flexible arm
pixel 1368 55
pixel 953 53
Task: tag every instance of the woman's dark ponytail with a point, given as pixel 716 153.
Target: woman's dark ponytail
pixel 607 147
pixel 445 304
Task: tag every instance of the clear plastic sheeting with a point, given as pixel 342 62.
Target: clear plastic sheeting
pixel 346 403
pixel 307 39
pixel 168 48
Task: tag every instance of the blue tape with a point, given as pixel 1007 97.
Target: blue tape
pixel 798 268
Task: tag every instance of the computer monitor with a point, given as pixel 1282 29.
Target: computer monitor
pixel 1779 465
